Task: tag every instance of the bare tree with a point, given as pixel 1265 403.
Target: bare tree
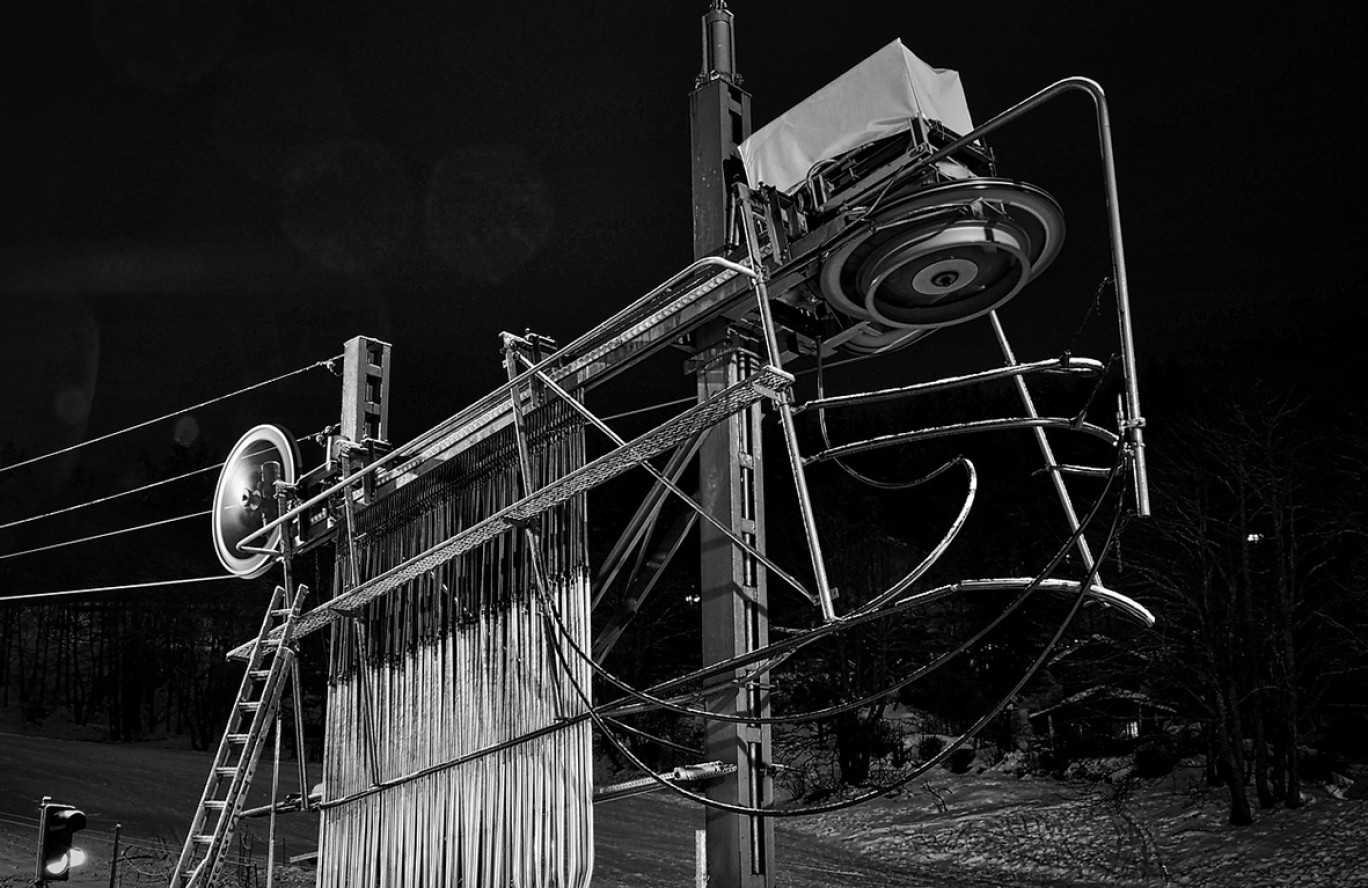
pixel 1252 561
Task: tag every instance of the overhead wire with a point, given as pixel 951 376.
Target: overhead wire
pixel 106 534
pixel 329 363
pixel 124 587
pixel 113 496
pixel 1082 415
pixel 677 402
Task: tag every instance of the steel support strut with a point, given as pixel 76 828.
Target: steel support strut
pixel 1134 421
pixel 1043 443
pixel 360 638
pixel 784 406
pixel 529 484
pixel 718 524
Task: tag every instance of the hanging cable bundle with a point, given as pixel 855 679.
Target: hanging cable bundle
pixel 457 663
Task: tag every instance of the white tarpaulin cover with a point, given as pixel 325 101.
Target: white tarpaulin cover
pixel 875 99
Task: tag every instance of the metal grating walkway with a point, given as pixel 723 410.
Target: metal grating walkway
pixel 765 382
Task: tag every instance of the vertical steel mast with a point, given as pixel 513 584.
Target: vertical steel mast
pixel 731 487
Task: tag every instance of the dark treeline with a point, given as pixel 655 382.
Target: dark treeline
pixel 123 665
pixel 1255 563
pixel 132 669
pixel 145 664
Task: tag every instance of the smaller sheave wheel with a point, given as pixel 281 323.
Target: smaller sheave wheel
pixel 242 505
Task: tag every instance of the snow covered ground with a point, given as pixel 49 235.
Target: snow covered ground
pixel 978 830
pixel 1170 831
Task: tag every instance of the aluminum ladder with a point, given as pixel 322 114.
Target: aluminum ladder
pixel 254 712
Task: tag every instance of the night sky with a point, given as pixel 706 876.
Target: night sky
pixel 202 195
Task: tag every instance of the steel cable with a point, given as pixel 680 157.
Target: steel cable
pixel 112 496
pixel 329 363
pixel 691 399
pixel 151 584
pixel 100 536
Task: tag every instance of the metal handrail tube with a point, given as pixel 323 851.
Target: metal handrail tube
pixel 623 317
pixel 1134 418
pixel 963 428
pixel 491 400
pixel 1072 366
pixel 784 407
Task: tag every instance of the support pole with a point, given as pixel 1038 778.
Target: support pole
pixel 114 857
pixel 275 794
pixel 359 641
pixel 297 697
pixel 734 598
pixel 735 617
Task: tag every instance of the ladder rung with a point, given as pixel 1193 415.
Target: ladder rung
pixel 240 744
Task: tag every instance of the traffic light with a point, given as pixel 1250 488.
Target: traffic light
pixel 57 826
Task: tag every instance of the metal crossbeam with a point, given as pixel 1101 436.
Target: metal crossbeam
pixel 700 291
